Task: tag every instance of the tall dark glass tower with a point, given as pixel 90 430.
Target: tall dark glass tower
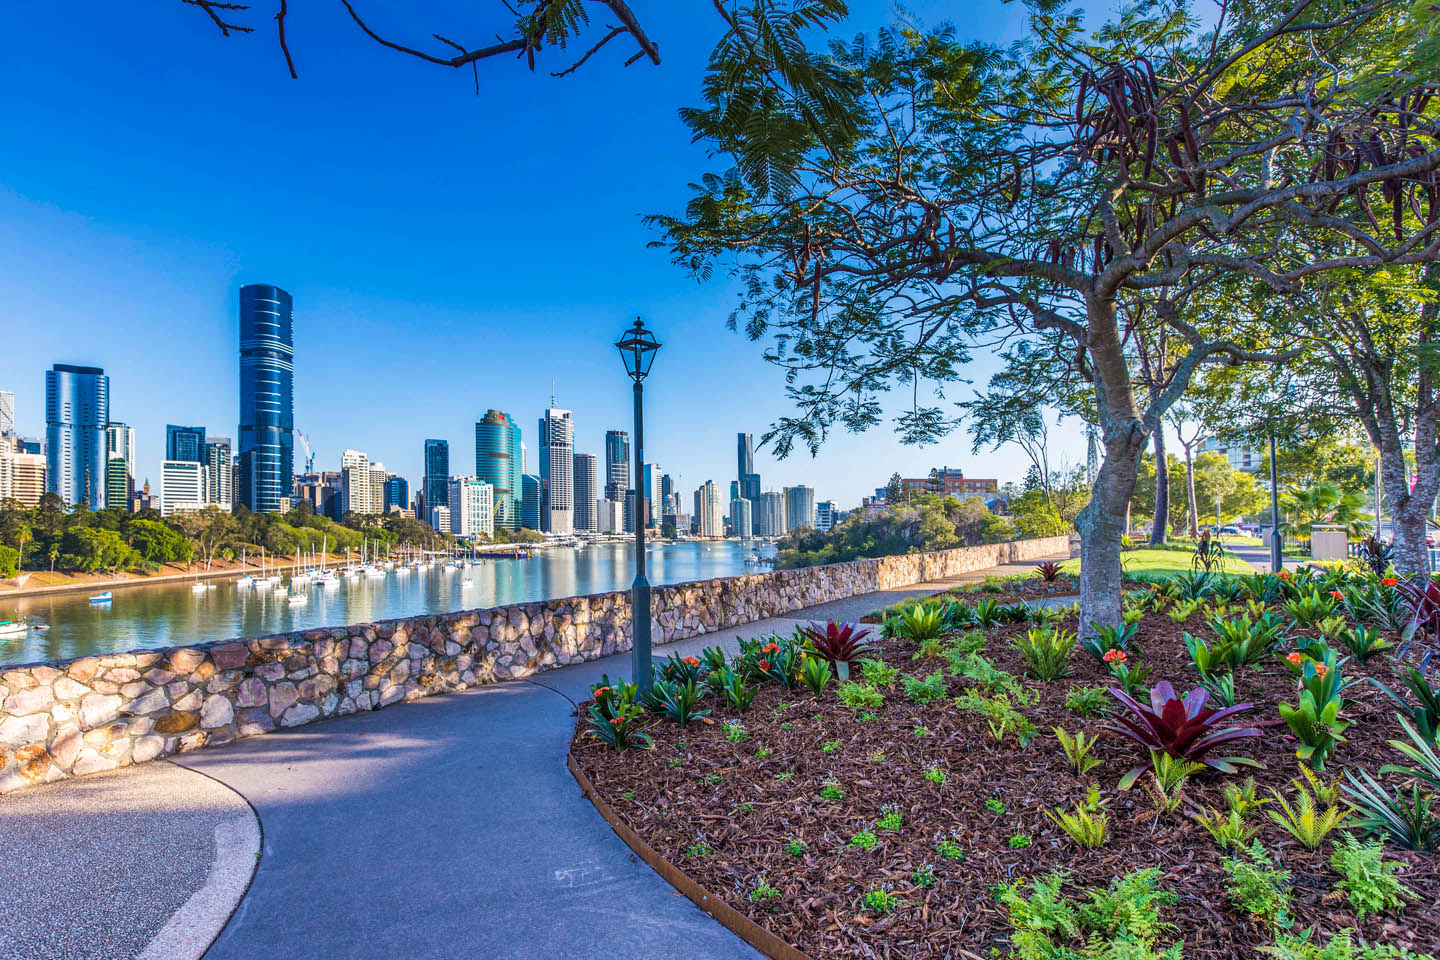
pixel 184 443
pixel 435 486
pixel 744 455
pixel 266 461
pixel 497 462
pixel 77 408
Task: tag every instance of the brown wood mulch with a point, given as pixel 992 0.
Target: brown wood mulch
pixel 745 801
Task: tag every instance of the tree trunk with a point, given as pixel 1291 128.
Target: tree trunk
pixel 1408 510
pixel 1191 507
pixel 1160 526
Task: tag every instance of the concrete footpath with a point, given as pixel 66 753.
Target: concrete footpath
pixel 444 828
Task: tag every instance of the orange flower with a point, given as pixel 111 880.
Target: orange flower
pixel 1114 656
pixel 1283 574
pixel 1337 594
pixel 616 721
pixel 770 648
pixel 692 661
pixel 601 691
pixel 764 664
pixel 1389 582
pixel 1295 659
pixel 1321 670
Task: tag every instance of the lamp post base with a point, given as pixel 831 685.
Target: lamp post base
pixel 640 631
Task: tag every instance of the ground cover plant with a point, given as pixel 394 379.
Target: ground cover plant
pixel 1003 830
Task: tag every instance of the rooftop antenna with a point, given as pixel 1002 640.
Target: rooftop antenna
pixel 552 394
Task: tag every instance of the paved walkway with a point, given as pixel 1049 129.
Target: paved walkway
pixel 444 828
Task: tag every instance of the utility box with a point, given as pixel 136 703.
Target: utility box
pixel 1074 547
pixel 1328 542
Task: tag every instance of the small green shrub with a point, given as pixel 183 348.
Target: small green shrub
pixel 1001 715
pixel 891 818
pixel 1077 750
pixel 924 690
pixel 860 695
pixel 1257 886
pixel 1019 841
pixel 878 673
pixel 1047 652
pixel 934 774
pixel 1088 825
pixel 864 840
pixel 1119 923
pixel 1341 946
pixel 1367 880
pixel 796 848
pixel 762 891
pixel 832 792
pixel 880 900
pixel 1087 701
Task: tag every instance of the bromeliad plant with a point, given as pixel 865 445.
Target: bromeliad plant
pixel 1131 676
pixel 838 644
pixel 677 701
pixel 1182 727
pixel 1049 571
pixel 1316 720
pixel 1106 638
pixel 920 622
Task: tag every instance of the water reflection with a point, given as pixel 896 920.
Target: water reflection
pixel 173 614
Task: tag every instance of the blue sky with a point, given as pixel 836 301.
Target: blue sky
pixel 447 253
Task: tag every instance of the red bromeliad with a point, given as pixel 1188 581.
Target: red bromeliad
pixel 1180 726
pixel 838 644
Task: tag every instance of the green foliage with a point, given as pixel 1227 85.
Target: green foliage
pixel 1341 946
pixel 614 714
pixel 890 817
pixel 1425 712
pixel 921 622
pixel 796 848
pixel 1106 638
pixel 1077 750
pixel 1257 885
pixel 1122 922
pixel 880 900
pixel 1363 642
pixel 1019 841
pixel 678 701
pixel 763 892
pixel 1368 880
pixel 864 840
pixel 1184 609
pixel 1316 720
pixel 1047 652
pixel 832 792
pixel 815 674
pixel 1309 608
pixel 737 691
pixel 949 849
pixel 9 561
pixel 1168 777
pixel 984 674
pixel 925 690
pixel 1404 820
pixel 878 673
pixel 735 731
pixel 1306 821
pixel 1087 701
pixel 1088 825
pixel 860 695
pixel 934 774
pixel 1002 716
pixel 1421 752
pixel 1229 829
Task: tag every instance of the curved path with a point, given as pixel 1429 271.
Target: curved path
pixel 448 827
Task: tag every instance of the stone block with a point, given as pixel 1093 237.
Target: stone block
pixel 98 708
pixel 30 700
pixel 282 695
pixel 229 656
pixel 176 723
pixel 300 713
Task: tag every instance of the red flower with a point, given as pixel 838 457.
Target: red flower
pixel 764 665
pixel 1114 656
pixel 1295 659
pixel 1321 670
pixel 616 721
pixel 770 648
pixel 1337 594
pixel 1389 582
pixel 1283 574
pixel 692 661
pixel 601 691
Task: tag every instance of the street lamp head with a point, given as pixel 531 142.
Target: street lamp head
pixel 637 348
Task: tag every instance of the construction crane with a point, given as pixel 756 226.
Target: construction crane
pixel 309 457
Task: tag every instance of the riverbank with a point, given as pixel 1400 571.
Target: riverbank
pixel 85 582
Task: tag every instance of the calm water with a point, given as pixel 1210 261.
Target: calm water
pixel 173 615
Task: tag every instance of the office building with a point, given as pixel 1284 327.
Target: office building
pixel 750 486
pixel 220 467
pixel 77 407
pixel 799 507
pixel 440 517
pixel 530 501
pixel 734 489
pixel 609 516
pixel 745 455
pixel 397 493
pixel 7 413
pixel 769 517
pixel 826 515
pixel 740 518
pixel 650 476
pixel 585 493
pixel 950 483
pixel 357 492
pixel 472 507
pixel 709 507
pixel 617 464
pixel 22 474
pixel 435 487
pixel 143 499
pixel 557 463
pixel 1240 456
pixel 184 443
pixel 265 462
pixel 182 486
pixel 497 462
pixel 119 478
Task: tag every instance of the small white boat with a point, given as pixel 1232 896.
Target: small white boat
pixel 296 599
pixel 197 587
pixel 13 628
pixel 101 597
pixel 244 580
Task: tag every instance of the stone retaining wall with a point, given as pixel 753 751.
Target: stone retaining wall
pixel 81 716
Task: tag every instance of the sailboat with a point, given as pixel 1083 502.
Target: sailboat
pixel 244 580
pixel 13 628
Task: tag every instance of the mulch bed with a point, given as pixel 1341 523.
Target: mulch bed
pixel 1008 591
pixel 697 787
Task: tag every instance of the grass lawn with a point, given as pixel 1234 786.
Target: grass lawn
pixel 1161 561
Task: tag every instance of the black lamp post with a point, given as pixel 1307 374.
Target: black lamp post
pixel 637 348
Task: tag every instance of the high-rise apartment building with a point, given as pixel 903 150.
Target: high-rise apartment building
pixel 740 518
pixel 497 462
pixel 827 514
pixel 266 456
pixel 530 501
pixel 585 493
pixel 650 477
pixel 472 507
pixel 357 492
pixel 769 517
pixel 7 413
pixel 710 509
pixel 119 477
pixel 617 464
pixel 440 517
pixel 557 465
pixel 182 486
pixel 77 408
pixel 750 486
pixel 610 516
pixel 184 443
pixel 22 474
pixel 435 487
pixel 220 468
pixel 799 507
pixel 397 493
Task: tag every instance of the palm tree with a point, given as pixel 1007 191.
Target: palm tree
pixel 1322 504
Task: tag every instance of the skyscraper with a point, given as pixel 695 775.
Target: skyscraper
pixel 7 413
pixel 617 464
pixel 497 462
pixel 397 493
pixel 651 480
pixel 472 507
pixel 530 501
pixel 77 407
pixel 182 486
pixel 750 486
pixel 585 493
pixel 799 507
pixel 745 456
pixel 435 488
pixel 357 493
pixel 557 463
pixel 769 519
pixel 709 510
pixel 266 462
pixel 220 467
pixel 740 518
pixel 119 477
pixel 184 443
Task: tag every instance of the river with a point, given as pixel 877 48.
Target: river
pixel 173 614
